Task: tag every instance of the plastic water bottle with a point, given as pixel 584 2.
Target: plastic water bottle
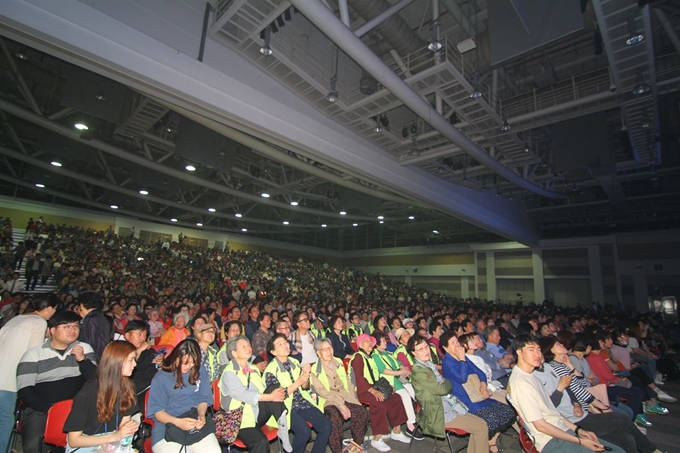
pixel 126 444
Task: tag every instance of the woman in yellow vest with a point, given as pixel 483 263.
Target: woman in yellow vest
pixel 381 409
pixel 242 385
pixel 395 373
pixel 401 354
pixel 337 396
pixel 284 371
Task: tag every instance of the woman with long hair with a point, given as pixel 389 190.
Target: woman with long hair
pixel 102 411
pixel 339 339
pixel 180 394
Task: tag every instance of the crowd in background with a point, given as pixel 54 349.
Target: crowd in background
pixel 291 321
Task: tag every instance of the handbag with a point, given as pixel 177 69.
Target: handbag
pixel 471 387
pixel 382 385
pixel 174 433
pixel 228 423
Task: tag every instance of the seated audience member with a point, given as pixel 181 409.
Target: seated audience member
pixel 262 335
pixel 401 354
pixel 550 430
pixel 469 383
pixel 147 359
pixel 381 410
pixel 20 334
pixel 156 329
pixel 397 375
pixel 178 332
pixel 253 323
pixel 611 426
pixel 52 372
pixel 493 339
pixel 337 397
pixel 438 407
pixel 181 389
pixel 102 411
pixel 289 374
pixel 95 329
pixel 498 372
pixel 243 385
pixel 470 343
pixel 205 336
pixel 340 341
pixel 303 339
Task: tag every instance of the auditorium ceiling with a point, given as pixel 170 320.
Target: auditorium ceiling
pixel 576 129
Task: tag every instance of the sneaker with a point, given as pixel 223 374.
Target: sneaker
pixel 665 397
pixel 641 420
pixel 400 437
pixel 658 379
pixel 641 429
pixel 380 444
pixel 655 408
pixel 417 435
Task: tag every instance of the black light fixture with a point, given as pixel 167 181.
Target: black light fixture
pixel 332 95
pixel 435 44
pixel 414 148
pixel 100 96
pixel 505 126
pixel 265 50
pixel 634 37
pixel 476 94
pixel 378 127
pixel 641 87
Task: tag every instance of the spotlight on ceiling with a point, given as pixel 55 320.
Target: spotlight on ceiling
pixel 173 220
pixel 506 126
pixel 641 87
pixel 435 232
pixel 21 56
pixel 342 212
pixel 40 186
pixel 81 126
pixel 113 206
pixel 190 168
pixel 435 44
pixel 212 209
pixel 323 225
pixel 526 148
pixel 381 222
pixel 634 37
pixel 355 224
pixel 56 163
pixel 285 222
pixel 100 96
pixel 265 50
pixel 245 230
pixel 144 192
pixel 378 127
pixel 411 217
pixel 476 94
pixel 199 224
pixel 380 217
pixel 332 95
pixel 264 195
pixel 238 214
pixel 294 203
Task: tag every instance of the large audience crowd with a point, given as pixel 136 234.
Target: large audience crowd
pixel 159 333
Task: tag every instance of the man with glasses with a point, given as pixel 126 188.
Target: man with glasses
pixel 52 372
pixel 283 327
pixel 303 339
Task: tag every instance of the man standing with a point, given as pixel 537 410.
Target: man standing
pixel 551 432
pixel 20 334
pixel 95 330
pixel 52 372
pixel 303 339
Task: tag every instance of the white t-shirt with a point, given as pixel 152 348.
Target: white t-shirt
pixel 20 334
pixel 308 351
pixel 533 403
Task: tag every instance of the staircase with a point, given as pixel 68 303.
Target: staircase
pixel 51 285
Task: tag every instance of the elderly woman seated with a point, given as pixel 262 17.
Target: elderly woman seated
pixel 440 410
pixel 337 396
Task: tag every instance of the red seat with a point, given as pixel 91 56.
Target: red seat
pixel 54 426
pixel 345 362
pixel 216 394
pixel 168 348
pixel 149 421
pixel 147 446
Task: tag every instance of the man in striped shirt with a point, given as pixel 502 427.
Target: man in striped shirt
pixel 52 372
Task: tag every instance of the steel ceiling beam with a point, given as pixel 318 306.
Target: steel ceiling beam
pixel 343 37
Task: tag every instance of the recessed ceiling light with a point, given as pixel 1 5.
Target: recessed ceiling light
pixel 294 203
pixel 144 192
pixel 342 213
pixel 56 163
pixel 264 195
pixel 199 224
pixel 212 209
pixel 380 217
pixel 411 217
pixel 21 56
pixel 238 214
pixel 81 126
pixel 113 206
pixel 100 96
pixel 355 224
pixel 139 258
pixel 173 220
pixel 435 231
pixel 285 222
pixel 382 221
pixel 190 168
pixel 323 225
pixel 40 186
pixel 245 230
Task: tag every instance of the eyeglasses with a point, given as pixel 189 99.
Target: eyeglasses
pixel 70 326
pixel 303 319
